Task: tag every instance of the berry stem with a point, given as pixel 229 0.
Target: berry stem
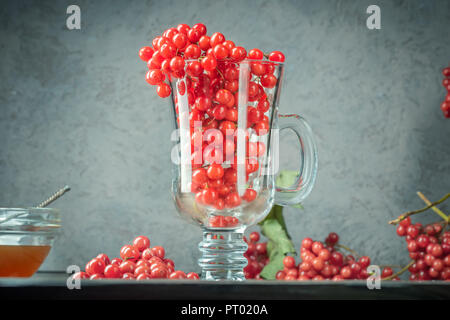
pixel 400 271
pixel 393 266
pixel 437 210
pixel 220 73
pixel 410 213
pixel 338 245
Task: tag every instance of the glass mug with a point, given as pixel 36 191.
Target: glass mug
pixel 226 156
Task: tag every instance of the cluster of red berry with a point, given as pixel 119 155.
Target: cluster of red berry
pixel 256 255
pixel 137 261
pixel 429 247
pixel 210 67
pixel 322 261
pixel 445 106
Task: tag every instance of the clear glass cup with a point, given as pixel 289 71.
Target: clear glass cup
pixel 225 157
pixel 26 237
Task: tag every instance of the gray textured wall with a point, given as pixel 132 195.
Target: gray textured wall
pixel 75 109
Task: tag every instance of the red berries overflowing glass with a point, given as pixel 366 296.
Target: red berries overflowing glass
pixel 137 261
pixel 167 56
pixel 429 247
pixel 445 106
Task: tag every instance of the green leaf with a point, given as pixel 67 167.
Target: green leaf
pixel 279 243
pixel 298 205
pixel 286 179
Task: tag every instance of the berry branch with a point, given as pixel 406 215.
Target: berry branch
pixel 410 213
pixel 338 245
pixel 393 266
pixel 400 271
pixel 435 209
pixel 428 246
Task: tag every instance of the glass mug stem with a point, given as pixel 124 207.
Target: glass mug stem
pixel 223 254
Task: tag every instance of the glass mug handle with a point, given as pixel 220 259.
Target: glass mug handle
pixel 306 177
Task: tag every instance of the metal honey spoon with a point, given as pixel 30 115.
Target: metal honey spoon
pixel 43 204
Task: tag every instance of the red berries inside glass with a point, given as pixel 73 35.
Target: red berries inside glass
pixel 209 64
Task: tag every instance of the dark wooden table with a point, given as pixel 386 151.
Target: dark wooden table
pixel 52 285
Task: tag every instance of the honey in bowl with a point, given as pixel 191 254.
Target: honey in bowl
pixel 21 260
pixel 26 237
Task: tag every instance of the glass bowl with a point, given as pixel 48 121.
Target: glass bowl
pixel 26 237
